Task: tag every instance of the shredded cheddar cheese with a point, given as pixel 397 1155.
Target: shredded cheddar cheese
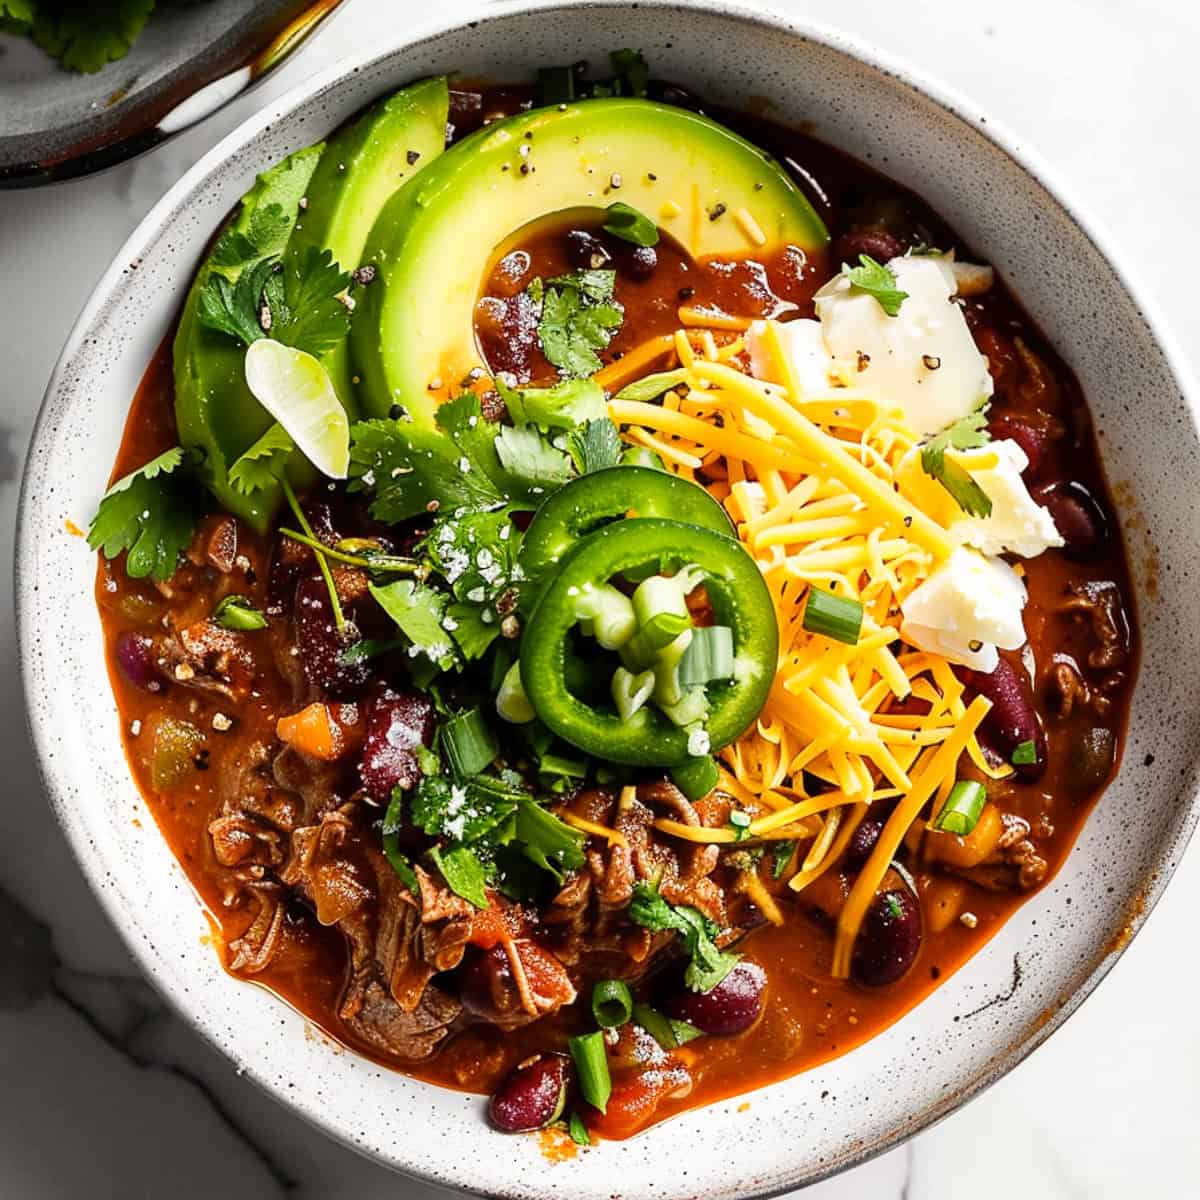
pixel 810 481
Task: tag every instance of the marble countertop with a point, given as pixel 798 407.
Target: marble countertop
pixel 110 1095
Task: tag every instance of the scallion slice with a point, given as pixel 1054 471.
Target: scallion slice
pixel 630 691
pixel 468 744
pixel 669 1033
pixel 960 813
pixel 591 1061
pixel 836 617
pixel 566 768
pixel 696 778
pixel 578 1130
pixel 612 1003
pixel 239 613
pixel 660 606
pixel 1025 754
pixel 709 656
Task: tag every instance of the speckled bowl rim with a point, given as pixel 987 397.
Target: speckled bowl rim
pixel 951 101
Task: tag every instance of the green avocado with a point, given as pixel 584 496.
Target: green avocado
pixel 412 337
pixel 328 196
pixel 214 410
pixel 358 173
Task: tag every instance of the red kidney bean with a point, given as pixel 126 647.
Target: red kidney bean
pixel 890 935
pixel 585 251
pixel 862 841
pixel 637 262
pixel 732 1006
pixel 1079 517
pixel 875 243
pixel 1030 438
pixel 135 656
pixel 532 1095
pixel 397 723
pixel 321 647
pixel 1012 719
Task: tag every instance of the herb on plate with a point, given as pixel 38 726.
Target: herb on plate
pixel 708 965
pixel 151 513
pixel 967 433
pixel 630 224
pixel 876 280
pixel 579 315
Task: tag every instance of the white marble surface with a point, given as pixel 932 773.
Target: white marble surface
pixel 106 1094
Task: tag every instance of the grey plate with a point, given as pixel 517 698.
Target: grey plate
pixel 189 61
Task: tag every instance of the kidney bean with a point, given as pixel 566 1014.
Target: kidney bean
pixel 290 560
pixel 135 656
pixel 1032 439
pixel 637 262
pixel 1079 517
pixel 875 243
pixel 320 645
pixel 732 1006
pixel 532 1095
pixel 1093 752
pixel 585 251
pixel 1012 719
pixel 862 841
pixel 890 935
pixel 396 724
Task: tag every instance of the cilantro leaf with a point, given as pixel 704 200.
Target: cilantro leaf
pixel 967 433
pixel 410 468
pixel 876 280
pixel 266 233
pixel 418 611
pixel 563 406
pixel 467 812
pixel 548 842
pixel 652 386
pixel 236 308
pixel 309 314
pixel 709 965
pixel 84 37
pixel 579 316
pixel 630 224
pixel 472 632
pixel 264 463
pixel 464 873
pixel 595 446
pixel 151 514
pixel 529 457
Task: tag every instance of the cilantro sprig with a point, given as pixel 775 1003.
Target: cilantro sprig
pixel 876 280
pixel 82 37
pixel 151 513
pixel 967 433
pixel 709 964
pixel 578 315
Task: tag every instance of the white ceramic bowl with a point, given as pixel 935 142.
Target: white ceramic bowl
pixel 963 1037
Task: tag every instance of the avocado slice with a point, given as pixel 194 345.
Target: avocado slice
pixel 329 195
pixel 214 410
pixel 412 337
pixel 358 173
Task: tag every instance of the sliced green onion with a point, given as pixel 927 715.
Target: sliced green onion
pixel 660 606
pixel 690 709
pixel 578 1130
pixel 1025 754
pixel 836 617
pixel 468 744
pixel 639 456
pixel 667 688
pixel 696 778
pixel 669 1033
pixel 567 768
pixel 591 1062
pixel 237 612
pixel 512 705
pixel 960 813
pixel 607 615
pixel 630 692
pixel 648 388
pixel 708 658
pixel 612 1003
pixel 630 224
pixel 393 822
